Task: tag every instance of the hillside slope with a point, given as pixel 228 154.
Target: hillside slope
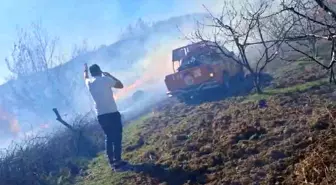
pixel 234 141
pixel 31 99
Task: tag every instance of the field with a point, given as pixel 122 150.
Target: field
pixel 234 141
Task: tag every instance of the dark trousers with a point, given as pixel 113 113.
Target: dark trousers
pixel 112 126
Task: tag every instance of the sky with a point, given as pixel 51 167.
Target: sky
pixel 97 21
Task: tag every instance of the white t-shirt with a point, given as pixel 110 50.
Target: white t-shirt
pixel 101 91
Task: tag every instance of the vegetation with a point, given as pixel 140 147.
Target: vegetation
pixel 231 138
pixel 260 32
pixel 288 140
pixel 233 142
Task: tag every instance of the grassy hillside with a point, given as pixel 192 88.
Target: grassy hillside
pixel 231 141
pixel 234 141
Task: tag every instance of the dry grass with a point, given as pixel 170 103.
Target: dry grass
pixel 318 164
pixel 52 159
pixel 235 142
pixel 292 141
pixel 318 167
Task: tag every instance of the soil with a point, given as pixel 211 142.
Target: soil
pixel 290 141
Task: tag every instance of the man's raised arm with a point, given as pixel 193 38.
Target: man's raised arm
pixel 118 83
pixel 86 73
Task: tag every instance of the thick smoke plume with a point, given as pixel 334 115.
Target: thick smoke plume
pixel 141 62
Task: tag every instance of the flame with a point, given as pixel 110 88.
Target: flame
pixel 158 64
pixel 14 126
pixel 138 83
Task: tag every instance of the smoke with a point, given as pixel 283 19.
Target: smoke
pixel 141 63
pixel 9 123
pixel 154 66
pixel 157 64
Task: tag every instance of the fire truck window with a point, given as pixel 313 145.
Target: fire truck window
pixel 188 63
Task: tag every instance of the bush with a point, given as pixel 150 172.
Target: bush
pixel 52 159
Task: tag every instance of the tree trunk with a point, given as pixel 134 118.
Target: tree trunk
pixel 256 82
pixel 314 49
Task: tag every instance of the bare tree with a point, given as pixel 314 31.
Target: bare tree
pixel 33 52
pixel 138 28
pixel 79 50
pixel 306 26
pixel 37 66
pixel 247 32
pixel 322 19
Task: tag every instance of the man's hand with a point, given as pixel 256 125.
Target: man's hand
pixel 86 73
pixel 118 85
pixel 106 74
pixel 85 67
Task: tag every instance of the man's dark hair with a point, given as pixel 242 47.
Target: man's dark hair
pixel 95 70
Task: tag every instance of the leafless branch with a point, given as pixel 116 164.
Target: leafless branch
pixel 291 9
pixel 316 22
pixel 60 119
pixel 244 30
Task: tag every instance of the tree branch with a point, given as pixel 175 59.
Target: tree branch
pixel 60 119
pixel 291 9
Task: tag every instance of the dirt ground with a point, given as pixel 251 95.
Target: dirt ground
pixel 291 141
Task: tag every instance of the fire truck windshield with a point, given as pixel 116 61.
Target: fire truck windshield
pixel 188 63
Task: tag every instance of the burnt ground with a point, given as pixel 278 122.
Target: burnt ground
pixel 234 141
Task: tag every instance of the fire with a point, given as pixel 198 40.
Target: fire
pixel 157 64
pixel 123 92
pixel 14 126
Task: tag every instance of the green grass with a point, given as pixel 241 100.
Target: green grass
pixel 298 66
pixel 296 88
pixel 99 172
pixel 133 129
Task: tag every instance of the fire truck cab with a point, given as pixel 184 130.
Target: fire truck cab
pixel 201 66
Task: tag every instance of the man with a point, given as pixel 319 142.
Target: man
pixel 109 118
